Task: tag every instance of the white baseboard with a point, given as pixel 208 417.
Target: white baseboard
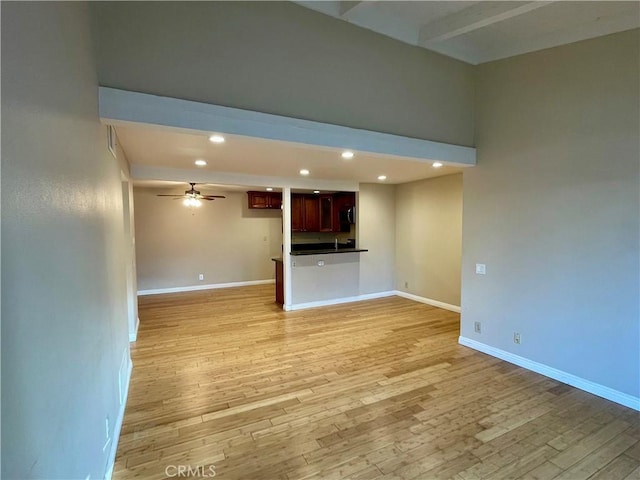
pixel 564 377
pixel 212 286
pixel 370 296
pixel 338 301
pixel 118 426
pixel 133 336
pixel 428 301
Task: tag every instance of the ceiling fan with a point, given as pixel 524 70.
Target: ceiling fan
pixel 192 197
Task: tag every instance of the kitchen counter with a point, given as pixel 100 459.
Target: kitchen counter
pixel 324 251
pixel 324 248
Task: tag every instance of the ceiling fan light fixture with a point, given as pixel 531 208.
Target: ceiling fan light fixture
pixel 191 202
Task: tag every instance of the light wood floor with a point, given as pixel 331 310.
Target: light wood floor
pixel 376 389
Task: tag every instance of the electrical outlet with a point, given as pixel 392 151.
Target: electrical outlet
pixel 477 327
pixel 516 338
pixel 481 269
pixel 201 276
pixel 321 263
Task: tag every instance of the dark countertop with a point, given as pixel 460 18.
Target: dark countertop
pixel 324 251
pixel 320 249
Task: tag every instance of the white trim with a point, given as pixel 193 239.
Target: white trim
pixel 337 301
pixel 111 140
pixel 125 107
pixel 564 377
pixel 286 246
pixel 118 426
pixel 428 301
pixel 133 336
pixel 212 286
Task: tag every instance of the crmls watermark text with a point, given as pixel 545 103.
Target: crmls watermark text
pixel 202 471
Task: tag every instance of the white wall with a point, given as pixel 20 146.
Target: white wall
pixel 429 238
pixel 552 210
pixel 281 58
pixel 376 232
pixel 223 239
pixel 64 318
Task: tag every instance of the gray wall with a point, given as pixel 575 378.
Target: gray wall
pixel 376 232
pixel 429 238
pixel 280 58
pixel 339 277
pixel 552 210
pixel 223 239
pixel 64 319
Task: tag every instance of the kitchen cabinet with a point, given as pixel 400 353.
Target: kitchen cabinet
pixel 326 213
pixel 265 200
pixel 319 213
pixel 305 213
pixel 279 281
pixel 297 213
pixel 311 213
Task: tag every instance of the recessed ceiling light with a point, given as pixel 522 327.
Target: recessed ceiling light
pixel 316 191
pixel 269 189
pixel 382 177
pixel 200 162
pixel 216 139
pixel 437 164
pixel 348 154
pixel 304 171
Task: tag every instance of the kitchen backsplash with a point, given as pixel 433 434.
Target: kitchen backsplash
pixel 315 237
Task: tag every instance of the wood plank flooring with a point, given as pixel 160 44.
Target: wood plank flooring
pixel 225 381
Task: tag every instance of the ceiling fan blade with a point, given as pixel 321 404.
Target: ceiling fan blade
pixel 211 197
pixel 162 195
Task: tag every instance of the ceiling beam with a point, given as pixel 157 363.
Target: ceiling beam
pixel 477 16
pixel 348 8
pixel 123 107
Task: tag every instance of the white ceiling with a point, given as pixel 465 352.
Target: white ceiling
pixel 482 31
pixel 167 148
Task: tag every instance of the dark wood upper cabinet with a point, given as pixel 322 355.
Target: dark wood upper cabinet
pixel 311 213
pixel 270 200
pixel 326 213
pixel 319 213
pixel 297 213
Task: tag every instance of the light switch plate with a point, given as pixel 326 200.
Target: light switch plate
pixel 481 269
